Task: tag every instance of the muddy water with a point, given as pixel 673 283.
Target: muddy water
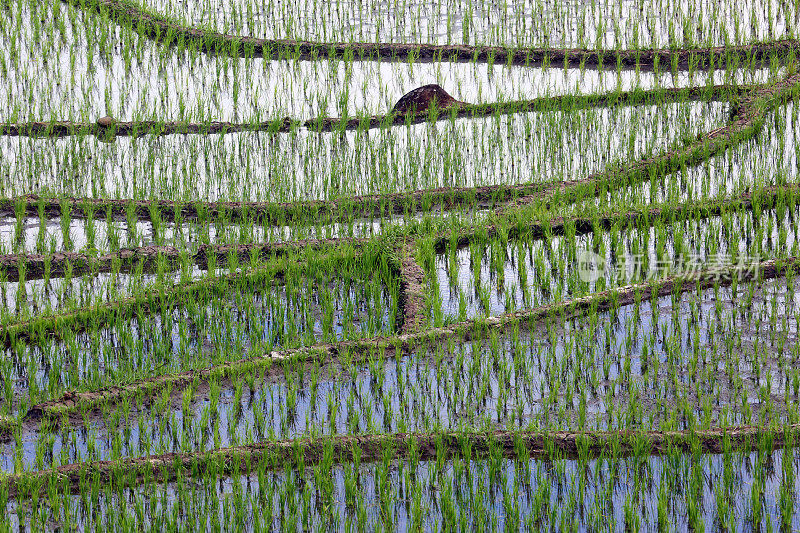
pixel 681 492
pixel 702 360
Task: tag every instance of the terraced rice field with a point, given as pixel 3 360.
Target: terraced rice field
pixel 240 291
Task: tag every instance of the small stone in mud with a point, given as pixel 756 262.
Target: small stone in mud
pixel 107 134
pixel 422 98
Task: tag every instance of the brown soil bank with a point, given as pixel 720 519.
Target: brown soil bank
pixel 412 292
pixel 424 446
pixel 401 115
pixel 274 213
pixel 149 258
pixel 59 264
pixel 164 29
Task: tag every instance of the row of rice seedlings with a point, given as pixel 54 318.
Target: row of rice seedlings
pixel 729 491
pixel 492 277
pixel 217 324
pixel 45 295
pixel 595 24
pixel 111 71
pixel 24 234
pixel 769 159
pixel 98 234
pixel 693 361
pixel 502 149
pixel 34 295
pixel 50 293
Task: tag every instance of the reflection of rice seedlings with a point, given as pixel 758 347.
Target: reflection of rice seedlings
pixel 667 364
pixel 693 360
pixel 550 24
pixel 217 324
pixel 440 494
pixel 500 276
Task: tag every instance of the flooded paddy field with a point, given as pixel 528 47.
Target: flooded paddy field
pixel 620 23
pixel 249 281
pixel 306 165
pixel 696 360
pixel 493 277
pixel 733 490
pixel 222 321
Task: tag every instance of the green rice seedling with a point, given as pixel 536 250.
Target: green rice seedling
pixel 202 353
